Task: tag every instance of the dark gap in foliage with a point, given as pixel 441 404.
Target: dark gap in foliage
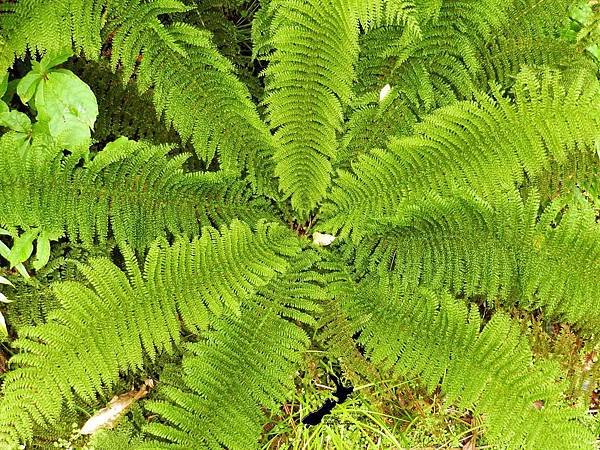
pixel 117 257
pixel 341 393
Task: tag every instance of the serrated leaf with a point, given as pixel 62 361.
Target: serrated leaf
pixel 23 247
pixel 27 86
pixel 15 120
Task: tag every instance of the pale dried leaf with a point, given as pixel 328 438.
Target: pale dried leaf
pixel 470 444
pixel 108 416
pixel 384 92
pixel 3 329
pixel 322 239
pixel 3 298
pixel 5 281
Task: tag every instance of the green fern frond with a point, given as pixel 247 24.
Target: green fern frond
pixel 441 59
pixel 85 346
pixel 483 146
pixel 540 17
pixel 484 368
pixel 129 188
pixel 192 72
pixel 308 80
pixel 377 13
pixel 463 244
pixel 458 52
pixel 251 358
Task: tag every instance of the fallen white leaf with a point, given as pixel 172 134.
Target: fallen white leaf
pixel 322 239
pixel 384 92
pixel 5 281
pixel 3 298
pixel 3 330
pixel 107 416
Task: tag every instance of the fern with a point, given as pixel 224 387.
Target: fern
pixel 310 70
pixel 51 369
pixel 449 146
pixel 231 361
pixel 131 188
pixel 476 145
pixel 463 244
pixel 192 71
pixel 485 368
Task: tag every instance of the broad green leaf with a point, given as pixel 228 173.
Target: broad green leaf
pixel 5 253
pixel 27 86
pixel 3 107
pixel 582 13
pixel 3 84
pixel 42 254
pixel 3 330
pixel 54 58
pixel 23 247
pixel 68 105
pixel 15 120
pixel 71 133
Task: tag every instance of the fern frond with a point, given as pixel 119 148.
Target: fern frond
pixel 463 244
pixel 308 80
pixel 178 61
pixel 132 189
pixel 487 369
pixel 376 13
pixel 251 358
pixel 483 146
pixel 540 17
pixel 459 51
pixel 85 346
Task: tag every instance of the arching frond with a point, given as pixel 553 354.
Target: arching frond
pixel 250 358
pixel 463 244
pixel 132 189
pixel 84 346
pixel 459 50
pixel 488 369
pixel 484 146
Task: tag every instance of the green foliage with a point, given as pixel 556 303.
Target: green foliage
pixel 230 362
pixel 449 146
pixel 487 146
pixel 120 106
pixel 487 369
pixel 132 188
pixel 192 71
pixel 310 70
pixel 50 369
pixel 463 244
